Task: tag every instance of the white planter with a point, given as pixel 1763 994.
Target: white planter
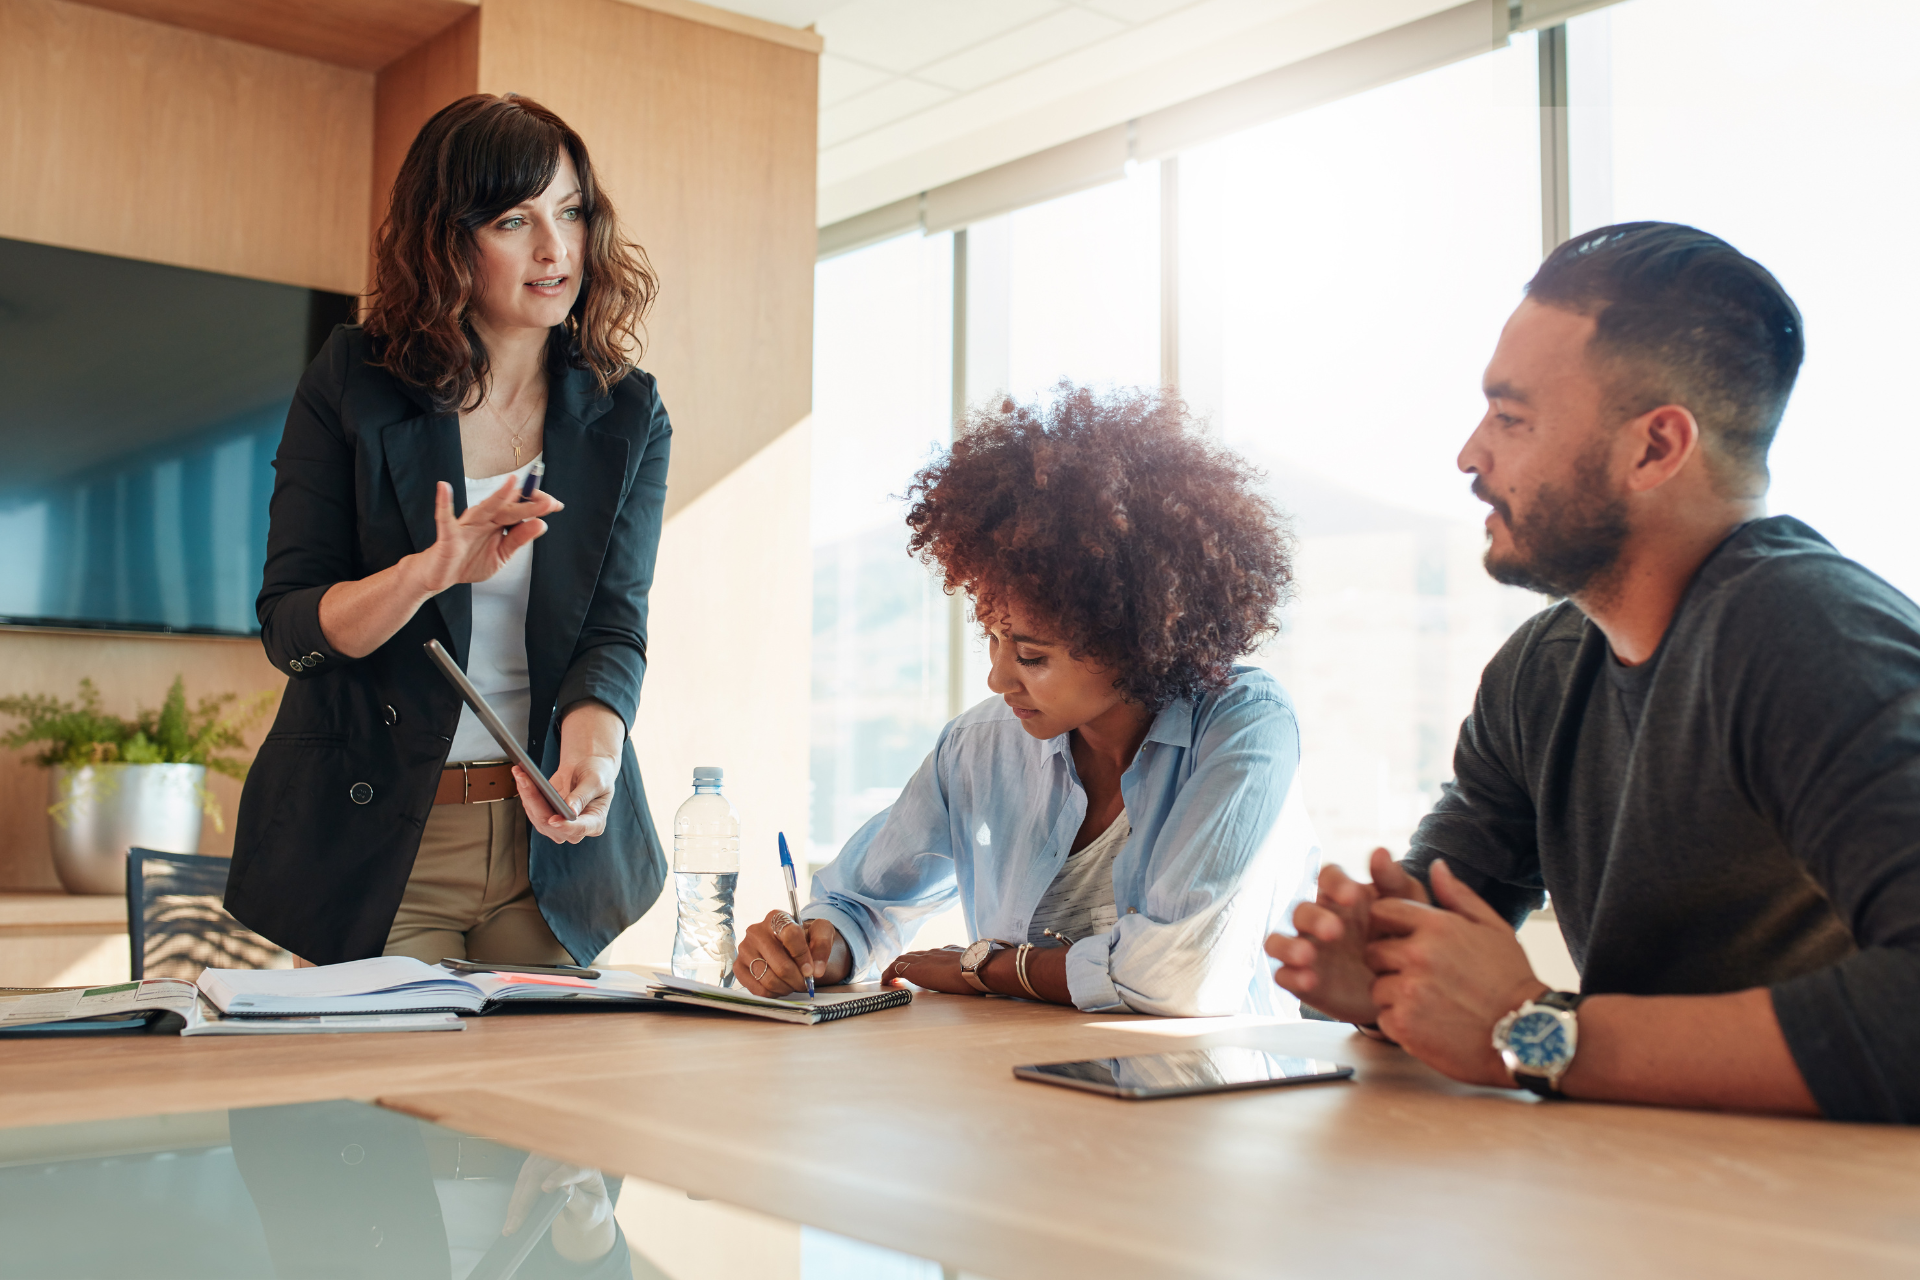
pixel 98 812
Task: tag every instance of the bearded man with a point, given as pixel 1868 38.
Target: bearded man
pixel 1708 751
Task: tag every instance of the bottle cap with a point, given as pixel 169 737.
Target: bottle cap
pixel 708 773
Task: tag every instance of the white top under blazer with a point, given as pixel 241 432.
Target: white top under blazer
pixel 497 654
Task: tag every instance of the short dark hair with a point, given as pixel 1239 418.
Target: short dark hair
pixel 1687 319
pixel 475 159
pixel 1117 520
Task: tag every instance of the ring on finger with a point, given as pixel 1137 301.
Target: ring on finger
pixel 780 921
pixel 759 973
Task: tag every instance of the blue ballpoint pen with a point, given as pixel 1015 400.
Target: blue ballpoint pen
pixel 793 890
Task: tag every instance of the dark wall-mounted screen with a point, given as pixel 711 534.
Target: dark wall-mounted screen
pixel 140 408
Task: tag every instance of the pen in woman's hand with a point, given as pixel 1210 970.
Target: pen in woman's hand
pixel 793 894
pixel 531 485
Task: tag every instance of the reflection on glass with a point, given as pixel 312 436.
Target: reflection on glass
pixel 172 537
pixel 1226 1065
pixel 1344 276
pixel 319 1191
pixel 323 1189
pixel 140 409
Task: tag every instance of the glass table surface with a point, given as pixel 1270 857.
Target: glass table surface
pixel 344 1189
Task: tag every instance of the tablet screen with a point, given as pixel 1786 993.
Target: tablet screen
pixel 1190 1071
pixel 515 752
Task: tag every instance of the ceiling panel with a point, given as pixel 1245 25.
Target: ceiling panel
pixel 841 78
pixel 1136 10
pixel 1058 33
pixel 896 99
pixel 914 93
pixel 904 35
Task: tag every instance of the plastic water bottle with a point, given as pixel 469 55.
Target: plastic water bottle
pixel 706 865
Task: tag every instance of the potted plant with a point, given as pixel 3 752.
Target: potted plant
pixel 115 783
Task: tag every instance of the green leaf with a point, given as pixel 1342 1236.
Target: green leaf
pixel 140 750
pixel 80 733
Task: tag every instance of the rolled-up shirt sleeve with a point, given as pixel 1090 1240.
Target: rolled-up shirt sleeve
pixel 1219 855
pixel 896 871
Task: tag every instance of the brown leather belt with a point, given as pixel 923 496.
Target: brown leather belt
pixel 475 783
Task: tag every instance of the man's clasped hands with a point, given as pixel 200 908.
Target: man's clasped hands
pixel 1431 972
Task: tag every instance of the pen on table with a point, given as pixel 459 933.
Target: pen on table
pixel 532 483
pixel 793 892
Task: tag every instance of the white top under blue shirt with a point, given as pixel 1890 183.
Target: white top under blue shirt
pixel 1219 852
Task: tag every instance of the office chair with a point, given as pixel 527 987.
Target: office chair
pixel 177 925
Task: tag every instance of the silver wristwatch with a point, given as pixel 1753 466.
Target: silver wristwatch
pixel 975 956
pixel 1537 1041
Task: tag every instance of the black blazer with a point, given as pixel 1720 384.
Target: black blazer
pixel 333 808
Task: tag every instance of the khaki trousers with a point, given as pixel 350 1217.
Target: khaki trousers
pixel 468 897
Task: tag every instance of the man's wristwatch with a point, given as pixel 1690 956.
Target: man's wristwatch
pixel 975 956
pixel 1538 1039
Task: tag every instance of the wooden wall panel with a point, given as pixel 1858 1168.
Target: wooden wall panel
pixel 364 34
pixel 704 139
pixel 442 70
pixel 123 136
pixel 132 672
pixel 128 137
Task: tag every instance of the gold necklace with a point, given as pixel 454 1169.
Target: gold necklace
pixel 514 438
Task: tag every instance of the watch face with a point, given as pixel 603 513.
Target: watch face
pixel 976 955
pixel 1538 1042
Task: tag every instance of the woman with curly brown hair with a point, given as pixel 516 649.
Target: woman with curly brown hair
pixel 497 343
pixel 1117 825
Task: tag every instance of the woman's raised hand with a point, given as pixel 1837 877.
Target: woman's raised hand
pixel 474 546
pixel 775 954
pixel 358 617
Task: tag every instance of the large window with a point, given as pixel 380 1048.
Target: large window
pixel 1785 126
pixel 882 401
pixel 1344 276
pixel 1341 276
pixel 1067 289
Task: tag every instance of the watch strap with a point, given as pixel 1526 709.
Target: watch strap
pixel 1542 1085
pixel 971 973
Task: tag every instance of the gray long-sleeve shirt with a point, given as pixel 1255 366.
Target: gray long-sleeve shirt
pixel 1741 810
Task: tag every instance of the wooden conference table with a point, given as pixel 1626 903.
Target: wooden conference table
pixel 906 1128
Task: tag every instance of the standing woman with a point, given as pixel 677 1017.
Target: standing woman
pixel 378 818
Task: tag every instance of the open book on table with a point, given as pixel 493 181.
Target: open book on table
pixel 401 984
pixel 172 1005
pixel 156 1004
pixel 828 1006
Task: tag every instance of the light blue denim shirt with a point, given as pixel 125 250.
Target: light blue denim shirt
pixel 1220 851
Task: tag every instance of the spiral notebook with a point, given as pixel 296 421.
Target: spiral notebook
pixel 828 1006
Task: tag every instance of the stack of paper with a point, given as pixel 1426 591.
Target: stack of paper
pixel 400 984
pixel 166 1005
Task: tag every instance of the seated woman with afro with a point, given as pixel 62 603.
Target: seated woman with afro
pixel 1117 823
